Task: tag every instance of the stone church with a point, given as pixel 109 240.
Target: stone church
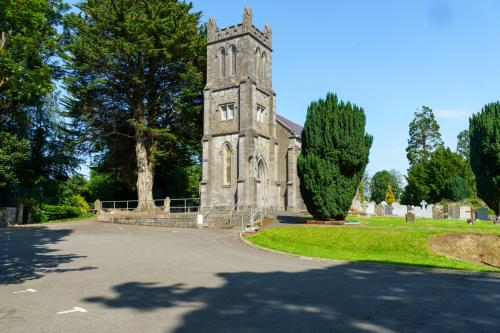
pixel 249 152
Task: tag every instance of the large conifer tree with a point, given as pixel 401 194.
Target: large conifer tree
pixel 136 76
pixel 424 136
pixel 335 151
pixel 484 129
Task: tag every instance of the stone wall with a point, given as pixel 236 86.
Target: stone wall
pixel 177 220
pixel 7 216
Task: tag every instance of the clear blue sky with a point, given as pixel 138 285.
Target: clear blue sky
pixel 390 57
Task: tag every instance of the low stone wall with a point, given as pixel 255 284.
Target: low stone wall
pixel 7 216
pixel 184 220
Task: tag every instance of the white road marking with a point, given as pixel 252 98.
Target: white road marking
pixel 75 309
pixel 25 291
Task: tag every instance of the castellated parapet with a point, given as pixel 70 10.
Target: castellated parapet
pixel 215 34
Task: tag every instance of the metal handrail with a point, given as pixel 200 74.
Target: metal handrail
pixel 210 209
pixel 173 204
pixel 230 215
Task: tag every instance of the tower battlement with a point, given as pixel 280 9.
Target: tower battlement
pixel 215 34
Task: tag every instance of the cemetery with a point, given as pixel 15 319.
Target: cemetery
pixel 392 240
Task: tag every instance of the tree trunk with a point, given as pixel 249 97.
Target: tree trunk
pixel 145 172
pixel 3 39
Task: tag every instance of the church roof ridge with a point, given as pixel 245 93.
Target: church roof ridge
pixel 291 125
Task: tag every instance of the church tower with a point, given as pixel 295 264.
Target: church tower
pixel 239 146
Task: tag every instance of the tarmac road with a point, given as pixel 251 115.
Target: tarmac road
pixel 94 277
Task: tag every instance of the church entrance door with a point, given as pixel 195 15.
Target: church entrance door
pixel 262 184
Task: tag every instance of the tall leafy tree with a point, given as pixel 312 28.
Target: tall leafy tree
pixel 484 130
pixel 335 150
pixel 29 43
pixel 427 179
pixel 424 136
pixel 52 158
pixel 13 152
pixel 463 144
pixel 417 187
pixel 380 181
pixel 135 75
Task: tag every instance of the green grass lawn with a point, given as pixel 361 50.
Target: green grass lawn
pixel 83 217
pixel 383 239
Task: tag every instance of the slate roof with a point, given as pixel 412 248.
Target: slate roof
pixel 295 128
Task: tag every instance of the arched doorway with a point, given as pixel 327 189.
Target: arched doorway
pixel 262 183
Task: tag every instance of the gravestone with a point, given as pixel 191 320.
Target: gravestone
pixel 464 213
pixel 97 205
pixel 380 210
pixel 166 204
pixel 427 212
pixel 356 203
pixel 438 212
pixel 371 208
pixel 482 214
pixel 454 212
pixel 364 206
pixel 410 217
pixel 399 210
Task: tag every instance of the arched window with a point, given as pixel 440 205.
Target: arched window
pixel 263 67
pixel 222 62
pixel 232 48
pixel 226 167
pixel 257 63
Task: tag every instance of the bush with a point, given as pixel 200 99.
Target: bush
pixel 44 213
pixel 389 195
pixel 456 188
pixel 334 155
pixel 78 202
pixel 73 206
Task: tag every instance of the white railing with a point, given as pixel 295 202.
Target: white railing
pixel 157 206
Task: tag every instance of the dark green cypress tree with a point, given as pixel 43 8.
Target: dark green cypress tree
pixel 456 188
pixel 484 131
pixel 335 151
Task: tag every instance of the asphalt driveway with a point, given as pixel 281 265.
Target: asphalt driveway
pixel 93 277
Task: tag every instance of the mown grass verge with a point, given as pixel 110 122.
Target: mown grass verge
pixel 83 217
pixel 382 240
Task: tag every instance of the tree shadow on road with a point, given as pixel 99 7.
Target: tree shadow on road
pixel 342 298
pixel 25 254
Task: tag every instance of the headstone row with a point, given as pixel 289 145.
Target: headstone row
pixel 423 211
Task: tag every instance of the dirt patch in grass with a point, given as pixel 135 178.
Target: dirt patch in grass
pixel 267 220
pixel 472 247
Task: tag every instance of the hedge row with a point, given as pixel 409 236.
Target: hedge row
pixel 44 213
pixel 73 206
